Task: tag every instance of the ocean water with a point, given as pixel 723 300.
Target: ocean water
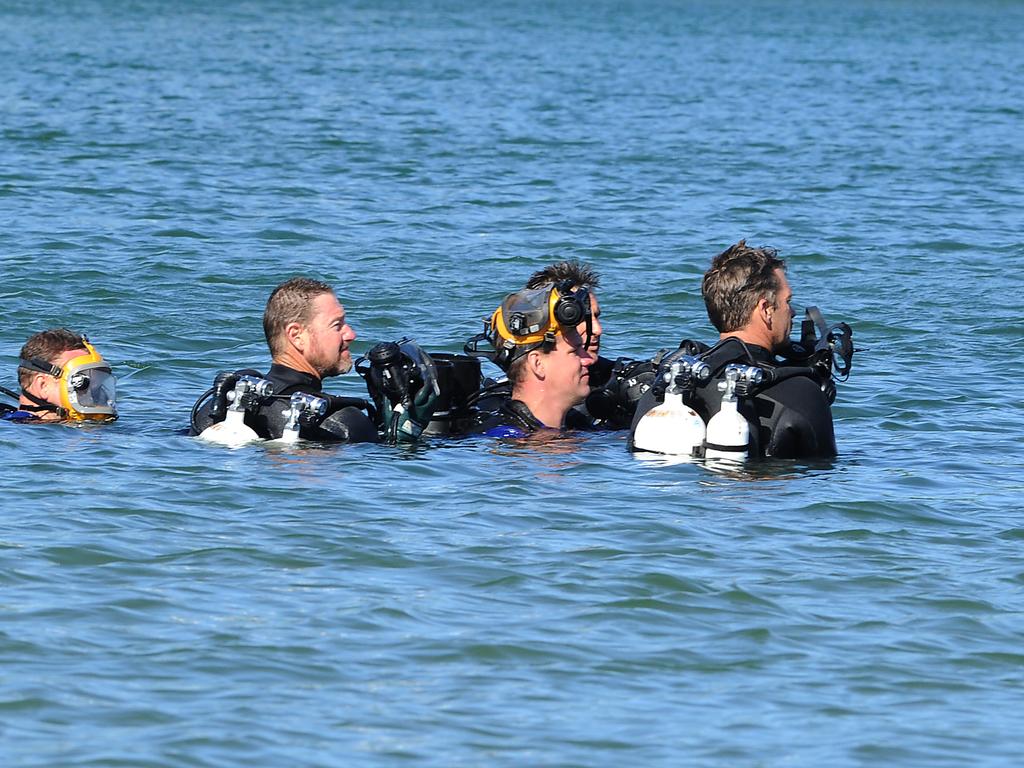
pixel 167 603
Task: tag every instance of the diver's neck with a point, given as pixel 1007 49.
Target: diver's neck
pixel 546 410
pixel 291 359
pixel 754 336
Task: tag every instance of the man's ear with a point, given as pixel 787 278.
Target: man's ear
pixel 295 333
pixel 38 385
pixel 535 363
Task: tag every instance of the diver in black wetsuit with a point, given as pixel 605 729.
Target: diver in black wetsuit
pixel 578 275
pixel 615 385
pixel 748 300
pixel 533 337
pixel 309 340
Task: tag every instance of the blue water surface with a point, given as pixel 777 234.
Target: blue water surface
pixel 170 603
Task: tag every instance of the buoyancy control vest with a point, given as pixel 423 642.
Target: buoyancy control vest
pixel 270 413
pixel 787 410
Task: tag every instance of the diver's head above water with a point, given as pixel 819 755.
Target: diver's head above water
pixel 748 296
pixel 306 328
pixel 64 378
pixel 535 333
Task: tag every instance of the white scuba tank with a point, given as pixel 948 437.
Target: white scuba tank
pixel 302 409
pixel 233 432
pixel 673 427
pixel 728 432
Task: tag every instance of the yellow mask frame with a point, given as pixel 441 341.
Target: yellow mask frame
pixel 85 408
pixel 523 332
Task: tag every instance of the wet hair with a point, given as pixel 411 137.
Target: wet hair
pixel 290 302
pixel 580 275
pixel 739 277
pixel 48 346
pixel 517 370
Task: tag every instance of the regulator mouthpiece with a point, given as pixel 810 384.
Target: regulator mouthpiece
pixel 384 354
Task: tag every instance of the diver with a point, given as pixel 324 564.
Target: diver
pixel 615 385
pixel 63 379
pixel 782 390
pixel 533 336
pixel 309 340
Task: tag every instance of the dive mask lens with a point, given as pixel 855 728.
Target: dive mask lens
pixel 91 392
pixel 526 314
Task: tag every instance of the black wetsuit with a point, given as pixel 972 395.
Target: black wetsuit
pixel 511 419
pixel 344 422
pixel 16 415
pixel 793 416
pixel 616 387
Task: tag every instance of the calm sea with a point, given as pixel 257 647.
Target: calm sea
pixel 167 604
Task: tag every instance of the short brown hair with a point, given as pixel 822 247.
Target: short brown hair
pixel 517 370
pixel 290 302
pixel 579 274
pixel 48 346
pixel 739 277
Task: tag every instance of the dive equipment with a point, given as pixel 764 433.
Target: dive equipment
pixel 673 427
pixel 529 319
pixel 459 382
pixel 303 410
pixel 613 404
pixel 343 419
pixel 248 393
pixel 728 432
pixel 827 350
pixel 402 380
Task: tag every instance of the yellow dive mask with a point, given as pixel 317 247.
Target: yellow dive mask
pixel 532 318
pixel 88 387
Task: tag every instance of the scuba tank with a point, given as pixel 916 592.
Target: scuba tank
pixel 673 427
pixel 303 410
pixel 728 432
pixel 246 393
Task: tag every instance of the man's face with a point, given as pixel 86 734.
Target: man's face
pixel 594 347
pixel 782 317
pixel 565 368
pixel 329 337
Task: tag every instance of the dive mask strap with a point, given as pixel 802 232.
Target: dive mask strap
pixel 472 346
pixel 814 315
pixel 41 366
pixel 41 405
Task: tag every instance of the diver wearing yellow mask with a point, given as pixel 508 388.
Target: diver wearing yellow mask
pixel 534 336
pixel 62 378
